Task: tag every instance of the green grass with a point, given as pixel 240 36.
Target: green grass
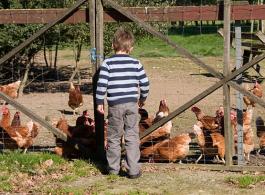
pixel 82 168
pixel 28 163
pixel 5 185
pixel 200 45
pixel 66 190
pixel 245 181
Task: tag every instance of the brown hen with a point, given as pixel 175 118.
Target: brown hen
pixel 209 122
pixel 211 144
pixel 176 148
pixel 75 97
pixel 257 91
pixel 162 132
pixel 82 133
pixel 22 135
pixel 11 89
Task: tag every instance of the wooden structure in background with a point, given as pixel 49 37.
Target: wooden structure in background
pixel 146 14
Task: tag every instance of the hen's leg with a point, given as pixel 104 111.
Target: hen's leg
pixel 198 159
pixel 248 157
pixel 74 112
pixel 218 159
pixel 258 152
pixel 25 150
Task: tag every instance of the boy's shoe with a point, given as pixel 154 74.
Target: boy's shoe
pixel 135 176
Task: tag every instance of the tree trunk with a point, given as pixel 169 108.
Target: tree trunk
pixel 25 78
pixel 45 53
pixel 56 54
pixel 50 57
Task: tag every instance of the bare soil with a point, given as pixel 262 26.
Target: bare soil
pixel 177 80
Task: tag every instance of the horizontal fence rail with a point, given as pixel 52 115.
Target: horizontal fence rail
pixel 147 14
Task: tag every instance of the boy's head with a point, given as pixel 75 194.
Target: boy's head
pixel 123 41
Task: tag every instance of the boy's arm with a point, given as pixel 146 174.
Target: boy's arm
pixel 143 84
pixel 102 84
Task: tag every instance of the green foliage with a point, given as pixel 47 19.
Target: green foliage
pixel 33 4
pixel 165 2
pixel 245 181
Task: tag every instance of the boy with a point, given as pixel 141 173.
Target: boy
pixel 121 77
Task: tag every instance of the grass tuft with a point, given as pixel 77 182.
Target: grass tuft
pixel 27 163
pixel 245 181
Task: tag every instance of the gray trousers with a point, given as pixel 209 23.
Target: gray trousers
pixel 123 120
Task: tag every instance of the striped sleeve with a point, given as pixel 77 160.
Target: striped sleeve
pixel 143 83
pixel 102 83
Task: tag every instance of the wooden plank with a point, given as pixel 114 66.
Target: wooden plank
pixel 33 116
pixel 99 118
pixel 28 41
pixel 148 14
pixel 92 25
pixel 226 87
pixel 261 36
pixel 244 35
pixel 253 45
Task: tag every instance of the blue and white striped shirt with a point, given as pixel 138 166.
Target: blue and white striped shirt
pixel 121 76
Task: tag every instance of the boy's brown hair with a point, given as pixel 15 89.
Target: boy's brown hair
pixel 123 40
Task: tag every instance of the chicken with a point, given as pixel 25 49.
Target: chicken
pixel 176 148
pixel 11 89
pixel 75 97
pixel 260 133
pixel 22 135
pixel 16 120
pixel 211 144
pixel 248 143
pixel 145 120
pixel 248 136
pixel 209 122
pixel 162 132
pixel 85 119
pixel 257 91
pixel 83 134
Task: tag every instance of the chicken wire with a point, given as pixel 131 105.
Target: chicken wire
pixel 177 82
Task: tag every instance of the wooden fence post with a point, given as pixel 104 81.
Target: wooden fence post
pixel 226 87
pixel 96 33
pixel 239 96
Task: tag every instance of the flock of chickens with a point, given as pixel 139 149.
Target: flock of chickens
pixel 13 133
pixel 209 131
pixel 157 146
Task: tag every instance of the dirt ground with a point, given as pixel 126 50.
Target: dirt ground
pixel 177 80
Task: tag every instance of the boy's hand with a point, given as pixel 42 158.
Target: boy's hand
pixel 100 109
pixel 140 103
